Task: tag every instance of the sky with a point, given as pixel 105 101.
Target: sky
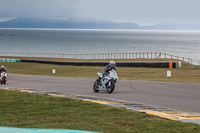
pixel 142 12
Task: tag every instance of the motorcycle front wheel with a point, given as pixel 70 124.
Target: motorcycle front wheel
pixel 95 86
pixel 110 88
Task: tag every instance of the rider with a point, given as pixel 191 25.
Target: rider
pixel 110 66
pixel 3 69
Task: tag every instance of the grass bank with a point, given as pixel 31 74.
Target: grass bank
pixel 188 72
pixel 43 111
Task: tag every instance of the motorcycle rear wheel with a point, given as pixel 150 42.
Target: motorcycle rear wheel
pixel 110 88
pixel 95 86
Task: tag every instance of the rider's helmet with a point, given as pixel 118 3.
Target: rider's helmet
pixel 2 67
pixel 112 63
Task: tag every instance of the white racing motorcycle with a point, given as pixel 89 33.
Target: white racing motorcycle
pixel 106 83
pixel 3 78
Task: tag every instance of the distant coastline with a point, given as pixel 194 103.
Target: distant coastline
pixel 84 23
pixel 153 30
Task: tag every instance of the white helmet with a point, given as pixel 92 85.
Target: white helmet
pixel 2 67
pixel 113 63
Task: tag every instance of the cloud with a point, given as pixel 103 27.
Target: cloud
pixel 38 8
pixel 143 10
pixel 139 11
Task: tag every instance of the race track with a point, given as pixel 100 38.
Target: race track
pixel 176 95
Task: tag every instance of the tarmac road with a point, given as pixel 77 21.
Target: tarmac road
pixel 176 95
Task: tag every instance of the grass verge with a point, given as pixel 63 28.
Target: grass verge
pixel 43 111
pixel 188 72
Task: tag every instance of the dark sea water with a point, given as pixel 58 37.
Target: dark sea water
pixel 179 43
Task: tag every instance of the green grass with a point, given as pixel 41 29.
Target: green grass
pixel 43 111
pixel 188 72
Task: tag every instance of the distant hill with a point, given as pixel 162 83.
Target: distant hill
pixel 173 26
pixel 70 23
pixel 88 23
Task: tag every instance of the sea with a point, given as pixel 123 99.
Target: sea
pixel 84 41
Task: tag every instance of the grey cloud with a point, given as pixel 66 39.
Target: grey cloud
pixel 38 8
pixel 144 11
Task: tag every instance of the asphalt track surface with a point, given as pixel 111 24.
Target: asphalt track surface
pixel 175 95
